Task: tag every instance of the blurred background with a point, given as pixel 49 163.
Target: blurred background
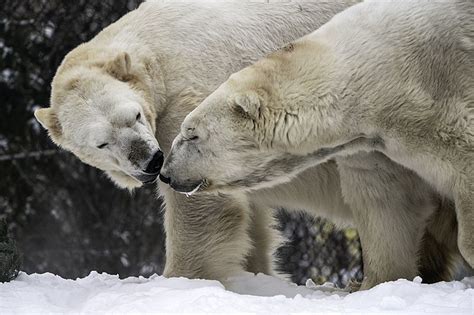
pixel 68 218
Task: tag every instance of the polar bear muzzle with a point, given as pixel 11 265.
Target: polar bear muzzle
pixel 150 173
pixel 186 187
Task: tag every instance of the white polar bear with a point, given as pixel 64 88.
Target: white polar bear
pixel 394 77
pixel 141 76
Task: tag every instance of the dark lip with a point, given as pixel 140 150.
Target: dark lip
pixel 185 189
pixel 164 179
pixel 147 178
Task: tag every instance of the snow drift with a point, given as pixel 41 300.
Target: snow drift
pixel 103 293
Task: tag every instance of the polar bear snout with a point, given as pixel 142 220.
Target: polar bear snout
pixel 150 173
pixel 179 177
pixel 187 186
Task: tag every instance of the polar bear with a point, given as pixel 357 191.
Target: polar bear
pixel 117 103
pixel 387 79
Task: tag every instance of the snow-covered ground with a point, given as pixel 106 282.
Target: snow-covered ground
pixel 103 293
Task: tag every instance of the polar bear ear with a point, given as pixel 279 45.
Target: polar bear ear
pixel 45 117
pixel 247 103
pixel 48 119
pixel 120 66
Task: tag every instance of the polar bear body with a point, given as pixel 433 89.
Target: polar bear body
pixel 161 61
pixel 143 74
pixel 391 77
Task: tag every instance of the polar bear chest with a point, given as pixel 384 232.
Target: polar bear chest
pixel 432 168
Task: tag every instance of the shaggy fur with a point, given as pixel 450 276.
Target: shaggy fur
pixel 161 61
pixel 392 77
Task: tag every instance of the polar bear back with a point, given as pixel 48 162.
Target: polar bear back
pixel 215 37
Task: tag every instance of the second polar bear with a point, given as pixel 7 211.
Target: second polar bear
pixel 392 77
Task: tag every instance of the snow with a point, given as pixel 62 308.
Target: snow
pixel 106 294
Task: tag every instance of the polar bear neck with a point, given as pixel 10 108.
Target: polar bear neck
pixel 307 108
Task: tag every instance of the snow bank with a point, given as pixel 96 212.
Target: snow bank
pixel 103 293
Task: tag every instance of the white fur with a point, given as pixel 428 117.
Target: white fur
pixel 397 75
pixel 164 60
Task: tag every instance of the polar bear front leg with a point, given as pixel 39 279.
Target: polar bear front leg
pixel 207 236
pixel 265 240
pixel 390 205
pixel 464 200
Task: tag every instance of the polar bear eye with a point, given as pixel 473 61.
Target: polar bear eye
pixel 139 115
pixel 103 145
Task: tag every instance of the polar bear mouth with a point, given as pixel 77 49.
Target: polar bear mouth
pixel 188 194
pixel 147 178
pixel 189 188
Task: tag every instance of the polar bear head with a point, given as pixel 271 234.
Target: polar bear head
pixel 100 113
pixel 248 134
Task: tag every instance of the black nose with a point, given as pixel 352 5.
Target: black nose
pixel 165 179
pixel 155 164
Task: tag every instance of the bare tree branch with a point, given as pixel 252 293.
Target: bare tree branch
pixel 27 155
